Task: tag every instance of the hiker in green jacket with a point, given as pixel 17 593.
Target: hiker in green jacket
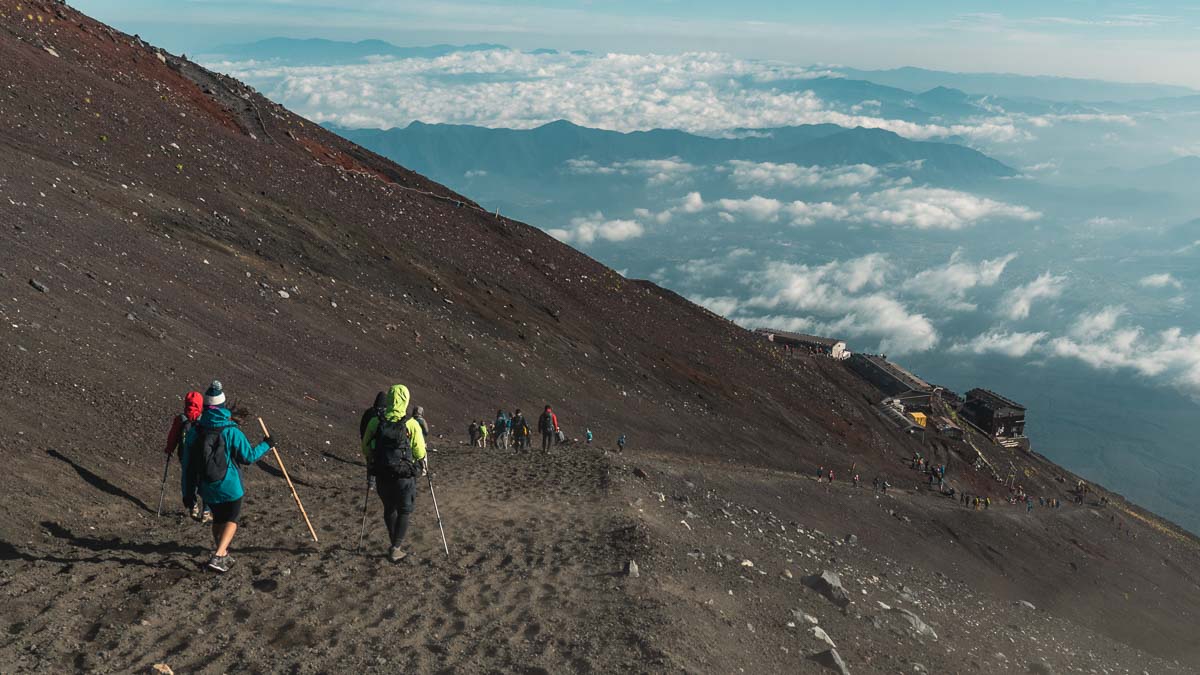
pixel 394 446
pixel 210 455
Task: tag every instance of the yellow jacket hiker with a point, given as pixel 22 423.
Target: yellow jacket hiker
pixel 394 446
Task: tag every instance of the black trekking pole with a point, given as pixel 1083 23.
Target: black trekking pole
pixel 438 512
pixel 366 500
pixel 162 491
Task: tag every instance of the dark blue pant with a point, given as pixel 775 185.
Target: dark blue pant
pixel 397 495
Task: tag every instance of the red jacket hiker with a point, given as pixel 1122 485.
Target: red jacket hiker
pixel 193 404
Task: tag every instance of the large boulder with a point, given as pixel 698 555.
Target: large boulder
pixel 915 624
pixel 829 585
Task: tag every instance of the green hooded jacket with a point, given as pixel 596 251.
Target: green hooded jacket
pixel 397 409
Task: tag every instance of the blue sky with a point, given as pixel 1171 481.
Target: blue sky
pixel 1129 41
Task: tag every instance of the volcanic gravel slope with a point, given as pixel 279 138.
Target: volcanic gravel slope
pixel 163 225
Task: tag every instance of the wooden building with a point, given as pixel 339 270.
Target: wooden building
pixel 800 341
pixel 893 380
pixel 994 414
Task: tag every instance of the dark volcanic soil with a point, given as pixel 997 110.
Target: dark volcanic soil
pixel 161 226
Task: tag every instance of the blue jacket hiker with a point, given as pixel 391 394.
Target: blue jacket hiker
pixel 210 454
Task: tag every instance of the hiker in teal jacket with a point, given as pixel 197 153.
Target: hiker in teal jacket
pixel 210 455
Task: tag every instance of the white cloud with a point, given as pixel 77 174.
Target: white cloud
pixel 692 203
pixel 1018 302
pixel 846 299
pixel 1163 280
pixel 1171 352
pixel 922 208
pixel 950 283
pixel 657 171
pixel 695 91
pixel 1098 323
pixel 723 305
pixel 1014 344
pixel 585 230
pixel 934 208
pixel 747 174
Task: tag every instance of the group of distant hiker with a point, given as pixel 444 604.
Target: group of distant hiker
pixel 513 432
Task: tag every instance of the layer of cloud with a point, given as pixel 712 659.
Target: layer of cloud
pixel 669 170
pixel 1101 342
pixel 949 284
pixel 696 91
pixel 842 298
pixel 1014 344
pixel 587 229
pixel 922 208
pixel 1163 280
pixel 770 175
pixel 1018 302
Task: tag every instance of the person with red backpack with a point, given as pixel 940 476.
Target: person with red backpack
pixel 193 403
pixel 212 450
pixel 548 425
pixel 394 446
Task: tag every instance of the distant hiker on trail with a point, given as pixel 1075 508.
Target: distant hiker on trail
pixel 394 446
pixel 472 433
pixel 621 443
pixel 502 434
pixel 371 413
pixel 419 416
pixel 855 480
pixel 193 405
pixel 589 436
pixel 548 426
pixel 520 430
pixel 831 475
pixel 211 452
pixel 483 434
pixel 820 473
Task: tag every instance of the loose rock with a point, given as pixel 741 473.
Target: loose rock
pixel 830 585
pixel 831 660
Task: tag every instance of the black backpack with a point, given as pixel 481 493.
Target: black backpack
pixel 393 455
pixel 546 423
pixel 208 458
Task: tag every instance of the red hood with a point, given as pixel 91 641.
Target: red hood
pixel 193 404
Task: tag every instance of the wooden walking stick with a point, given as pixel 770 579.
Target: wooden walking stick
pixel 289 482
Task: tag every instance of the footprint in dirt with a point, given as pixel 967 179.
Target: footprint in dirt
pixel 265 585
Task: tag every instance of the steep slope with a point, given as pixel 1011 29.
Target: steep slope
pixel 163 225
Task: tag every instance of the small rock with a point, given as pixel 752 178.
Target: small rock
pixel 747 563
pixel 831 660
pixel 804 617
pixel 851 539
pixel 1040 668
pixel 830 585
pixel 1026 604
pixel 661 497
pixel 821 635
pixel 39 286
pixel 284 295
pixel 161 669
pixel 130 316
pixel 637 471
pixel 915 623
pixel 918 668
pixel 787 574
pixel 632 569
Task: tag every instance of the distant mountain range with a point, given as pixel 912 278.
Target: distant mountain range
pixel 316 51
pixel 449 151
pixel 1018 86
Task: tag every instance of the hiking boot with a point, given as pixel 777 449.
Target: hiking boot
pixel 196 511
pixel 207 517
pixel 397 555
pixel 220 563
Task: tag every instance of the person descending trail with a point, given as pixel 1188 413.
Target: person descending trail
pixel 588 433
pixel 502 434
pixel 394 446
pixel 371 413
pixel 520 430
pixel 193 405
pixel 472 433
pixel 211 452
pixel 483 434
pixel 621 443
pixel 548 426
pixel 419 416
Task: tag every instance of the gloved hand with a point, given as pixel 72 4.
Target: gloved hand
pixel 423 466
pixel 269 441
pixel 370 481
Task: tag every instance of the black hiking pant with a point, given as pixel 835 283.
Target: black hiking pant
pixel 397 495
pixel 547 439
